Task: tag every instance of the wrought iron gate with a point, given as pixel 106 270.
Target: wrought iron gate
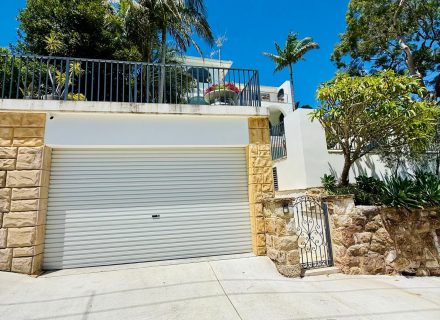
pixel 312 225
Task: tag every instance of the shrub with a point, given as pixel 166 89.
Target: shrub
pixel 369 184
pixel 369 190
pixel 417 191
pixel 328 182
pixel 427 185
pixel 400 192
pixel 365 191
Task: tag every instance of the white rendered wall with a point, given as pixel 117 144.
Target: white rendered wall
pixel 369 165
pixel 287 92
pixel 91 129
pixel 307 157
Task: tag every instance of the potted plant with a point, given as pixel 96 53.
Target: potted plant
pixel 225 93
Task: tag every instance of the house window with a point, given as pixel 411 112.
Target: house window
pixel 281 95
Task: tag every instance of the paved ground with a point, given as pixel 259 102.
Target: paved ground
pixel 240 288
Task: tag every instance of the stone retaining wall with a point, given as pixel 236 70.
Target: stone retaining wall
pixel 377 240
pixel 281 237
pixel 260 179
pixel 24 180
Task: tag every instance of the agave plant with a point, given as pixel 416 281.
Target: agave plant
pixel 428 186
pixel 400 192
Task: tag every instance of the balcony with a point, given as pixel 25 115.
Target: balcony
pixel 278 141
pixel 76 79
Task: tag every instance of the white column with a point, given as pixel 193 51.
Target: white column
pixel 307 156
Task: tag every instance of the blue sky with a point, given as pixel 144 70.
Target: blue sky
pixel 251 28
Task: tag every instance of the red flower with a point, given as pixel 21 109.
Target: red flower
pixel 228 86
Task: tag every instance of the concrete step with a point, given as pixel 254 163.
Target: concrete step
pixel 321 271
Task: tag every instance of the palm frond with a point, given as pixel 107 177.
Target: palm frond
pixel 294 50
pixel 278 60
pixel 271 56
pixel 196 5
pixel 201 25
pixel 281 65
pixel 279 50
pixel 302 47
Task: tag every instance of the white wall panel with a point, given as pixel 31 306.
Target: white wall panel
pixel 81 129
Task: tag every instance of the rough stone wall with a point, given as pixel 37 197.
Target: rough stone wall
pixel 377 240
pixel 260 178
pixel 24 179
pixel 281 237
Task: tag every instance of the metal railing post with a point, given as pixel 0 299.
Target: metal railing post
pixel 66 85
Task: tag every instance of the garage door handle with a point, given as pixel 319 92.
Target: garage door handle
pixel 156 216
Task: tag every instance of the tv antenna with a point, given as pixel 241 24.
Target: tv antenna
pixel 219 42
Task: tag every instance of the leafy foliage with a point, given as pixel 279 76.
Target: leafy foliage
pixel 123 30
pixel 369 184
pixel 420 190
pixel 375 112
pixel 146 20
pixel 399 192
pixel 365 191
pixel 293 51
pixel 427 186
pixel 77 28
pixel 402 35
pixel 328 182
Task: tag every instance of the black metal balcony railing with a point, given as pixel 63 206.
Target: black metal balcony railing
pixel 278 141
pixel 57 78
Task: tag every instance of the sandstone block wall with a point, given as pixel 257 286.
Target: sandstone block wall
pixel 377 240
pixel 281 237
pixel 24 180
pixel 260 179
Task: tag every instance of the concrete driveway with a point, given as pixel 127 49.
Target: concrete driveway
pixel 233 288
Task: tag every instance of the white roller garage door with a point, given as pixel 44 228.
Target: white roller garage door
pixel 113 206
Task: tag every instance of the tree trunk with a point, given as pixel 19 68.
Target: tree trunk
pixel 409 57
pixel 292 92
pixel 162 69
pixel 345 175
pixel 147 51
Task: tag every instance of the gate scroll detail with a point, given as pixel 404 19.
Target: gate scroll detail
pixel 312 226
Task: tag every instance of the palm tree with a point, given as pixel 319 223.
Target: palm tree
pixel 294 51
pixel 179 19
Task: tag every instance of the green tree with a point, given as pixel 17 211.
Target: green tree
pixel 179 19
pixel 403 35
pixel 81 27
pixel 373 113
pixel 293 51
pixel 127 25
